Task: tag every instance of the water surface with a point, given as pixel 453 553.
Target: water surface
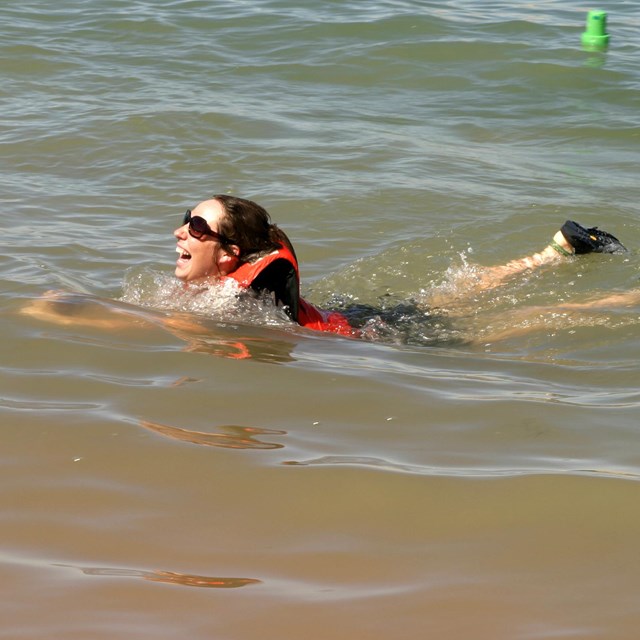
pixel 208 471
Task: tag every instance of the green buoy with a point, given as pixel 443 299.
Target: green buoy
pixel 596 38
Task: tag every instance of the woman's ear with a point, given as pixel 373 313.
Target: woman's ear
pixel 229 259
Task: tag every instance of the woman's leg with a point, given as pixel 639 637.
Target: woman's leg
pixel 557 250
pixel 571 239
pixel 472 281
pixel 557 317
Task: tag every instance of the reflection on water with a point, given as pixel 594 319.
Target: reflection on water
pixel 238 438
pixel 202 331
pixel 240 348
pixel 169 577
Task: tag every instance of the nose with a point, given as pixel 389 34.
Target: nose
pixel 182 232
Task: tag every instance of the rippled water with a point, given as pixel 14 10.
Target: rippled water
pixel 455 475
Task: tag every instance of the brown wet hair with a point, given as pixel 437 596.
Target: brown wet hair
pixel 249 227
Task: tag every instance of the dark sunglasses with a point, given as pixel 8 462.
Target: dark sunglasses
pixel 198 227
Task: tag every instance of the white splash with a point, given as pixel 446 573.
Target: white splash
pixel 223 301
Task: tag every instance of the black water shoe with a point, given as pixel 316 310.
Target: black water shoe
pixel 591 240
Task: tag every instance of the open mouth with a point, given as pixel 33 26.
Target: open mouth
pixel 182 254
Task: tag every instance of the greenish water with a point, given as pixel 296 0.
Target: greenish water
pixel 430 480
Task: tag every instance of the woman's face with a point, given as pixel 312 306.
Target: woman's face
pixel 204 257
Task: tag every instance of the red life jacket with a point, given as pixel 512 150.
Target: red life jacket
pixel 309 316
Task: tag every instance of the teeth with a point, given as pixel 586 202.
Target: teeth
pixel 183 253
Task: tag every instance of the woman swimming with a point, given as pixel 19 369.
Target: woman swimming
pixel 226 239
